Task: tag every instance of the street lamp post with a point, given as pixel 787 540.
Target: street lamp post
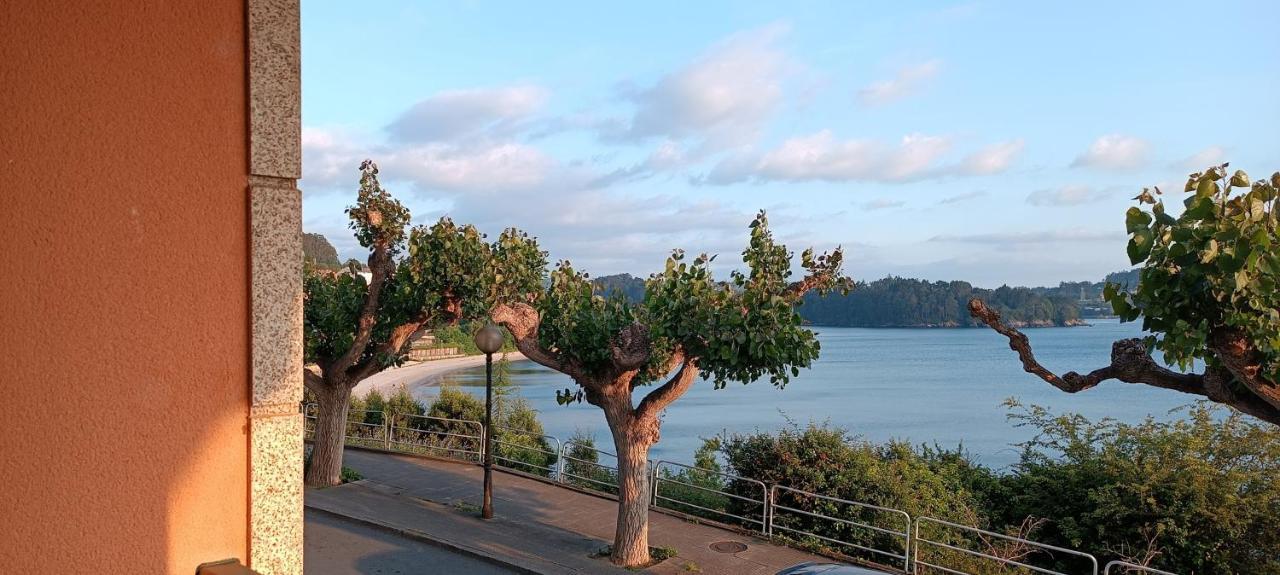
pixel 489 339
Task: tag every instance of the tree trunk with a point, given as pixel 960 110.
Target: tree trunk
pixel 631 440
pixel 631 538
pixel 325 467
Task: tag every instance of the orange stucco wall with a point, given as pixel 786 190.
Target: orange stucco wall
pixel 124 306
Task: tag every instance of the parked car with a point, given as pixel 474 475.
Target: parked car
pixel 815 568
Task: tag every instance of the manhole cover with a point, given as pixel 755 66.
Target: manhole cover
pixel 728 547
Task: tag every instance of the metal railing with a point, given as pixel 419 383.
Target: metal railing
pixel 426 434
pixel 843 523
pixel 464 439
pixel 572 469
pixel 984 536
pixel 551 454
pixel 366 434
pixel 762 522
pixel 1132 568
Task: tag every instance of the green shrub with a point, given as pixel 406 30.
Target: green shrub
pixel 519 442
pixel 582 466
pixel 1198 495
pixel 374 404
pixel 825 460
pixel 692 490
pixel 349 475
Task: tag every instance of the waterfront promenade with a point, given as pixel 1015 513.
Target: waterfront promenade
pixel 539 527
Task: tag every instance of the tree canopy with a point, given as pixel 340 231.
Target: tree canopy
pixel 353 328
pixel 688 325
pixel 1206 292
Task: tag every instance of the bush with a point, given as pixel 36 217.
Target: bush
pixel 1196 495
pixel 582 465
pixel 349 475
pixel 692 491
pixel 825 460
pixel 519 442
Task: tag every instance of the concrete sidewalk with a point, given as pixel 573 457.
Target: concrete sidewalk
pixel 538 528
pixel 339 546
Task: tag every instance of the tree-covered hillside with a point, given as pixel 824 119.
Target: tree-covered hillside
pixel 317 250
pixel 626 285
pixel 903 302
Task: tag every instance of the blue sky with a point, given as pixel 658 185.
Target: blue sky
pixel 996 142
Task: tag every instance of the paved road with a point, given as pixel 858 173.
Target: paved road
pixel 543 527
pixel 335 546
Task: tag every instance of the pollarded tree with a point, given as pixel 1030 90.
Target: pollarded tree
pixel 688 326
pixel 354 329
pixel 1208 291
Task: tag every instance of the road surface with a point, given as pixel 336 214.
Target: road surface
pixel 336 546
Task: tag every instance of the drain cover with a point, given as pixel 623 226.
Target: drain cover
pixel 728 547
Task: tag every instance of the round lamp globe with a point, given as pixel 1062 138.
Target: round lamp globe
pixel 489 339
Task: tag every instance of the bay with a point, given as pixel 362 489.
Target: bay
pixel 932 386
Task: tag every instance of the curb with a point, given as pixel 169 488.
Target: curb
pixel 428 539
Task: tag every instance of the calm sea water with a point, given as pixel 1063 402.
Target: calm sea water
pixel 943 386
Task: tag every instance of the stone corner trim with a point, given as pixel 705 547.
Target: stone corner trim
pixel 275 260
pixel 275 89
pixel 276 513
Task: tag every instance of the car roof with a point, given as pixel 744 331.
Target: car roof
pixel 815 568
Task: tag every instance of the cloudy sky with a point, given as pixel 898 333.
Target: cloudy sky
pixel 996 142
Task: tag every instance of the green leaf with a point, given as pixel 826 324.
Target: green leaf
pixel 1135 219
pixel 1199 207
pixel 1210 252
pixel 1140 246
pixel 1206 188
pixel 1240 179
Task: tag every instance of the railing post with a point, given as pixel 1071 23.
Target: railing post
pixel 386 431
pixel 914 542
pixel 768 511
pixel 653 487
pixel 560 461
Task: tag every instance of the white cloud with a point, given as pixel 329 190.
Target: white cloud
pixel 823 157
pixel 459 114
pixel 1072 235
pixel 485 168
pixel 1114 152
pixel 330 157
pixel 723 97
pixel 1066 196
pixel 1211 156
pixel 906 82
pixel 992 159
pixel 882 204
pixel 963 197
pixel 668 156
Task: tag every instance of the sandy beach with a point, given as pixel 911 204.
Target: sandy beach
pixel 426 373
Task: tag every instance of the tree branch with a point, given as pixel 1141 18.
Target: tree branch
pixel 380 266
pixel 1130 363
pixel 312 380
pixel 797 289
pixel 522 321
pixel 658 399
pixel 1238 356
pixel 392 347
